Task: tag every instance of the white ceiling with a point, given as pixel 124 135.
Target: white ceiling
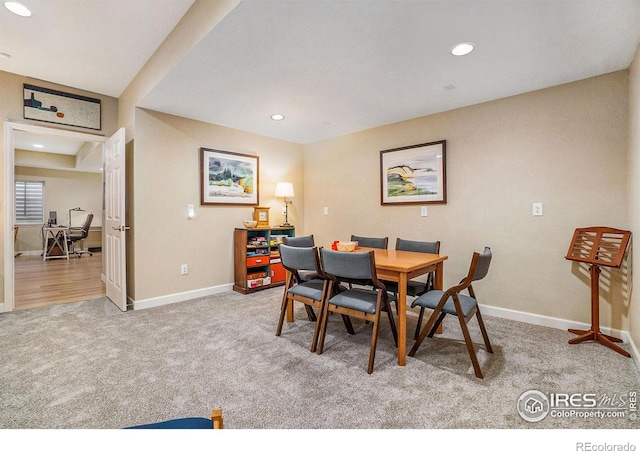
pixel 331 67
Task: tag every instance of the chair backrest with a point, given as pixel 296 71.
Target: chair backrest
pixel 477 270
pixel 377 243
pixel 482 265
pixel 299 241
pixel 84 230
pixel 296 259
pixel 350 266
pixel 427 247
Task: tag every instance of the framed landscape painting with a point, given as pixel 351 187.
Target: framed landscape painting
pixel 228 178
pixel 414 174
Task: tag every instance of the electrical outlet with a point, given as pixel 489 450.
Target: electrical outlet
pixel 183 269
pixel 537 209
pixel 325 211
pixel 424 211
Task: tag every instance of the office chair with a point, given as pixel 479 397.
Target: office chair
pixel 79 234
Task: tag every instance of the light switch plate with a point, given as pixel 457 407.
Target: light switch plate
pixel 325 210
pixel 537 209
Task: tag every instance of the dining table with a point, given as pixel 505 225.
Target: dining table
pixel 402 266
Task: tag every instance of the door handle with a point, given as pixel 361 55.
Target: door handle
pixel 122 228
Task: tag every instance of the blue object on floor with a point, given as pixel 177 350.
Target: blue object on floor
pixel 178 423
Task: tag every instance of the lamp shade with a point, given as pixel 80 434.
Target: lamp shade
pixel 284 189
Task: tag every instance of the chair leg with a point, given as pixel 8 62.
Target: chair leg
pixel 436 325
pixel 310 313
pixel 283 312
pixel 324 318
pixel 426 329
pixel 374 341
pixel 419 324
pixel 392 323
pixel 484 331
pixel 316 330
pixel 469 343
pixel 347 323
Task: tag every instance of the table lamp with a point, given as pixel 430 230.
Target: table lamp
pixel 285 189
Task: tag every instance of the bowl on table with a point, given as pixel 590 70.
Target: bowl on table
pixel 250 224
pixel 346 246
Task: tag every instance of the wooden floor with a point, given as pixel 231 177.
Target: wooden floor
pixel 39 283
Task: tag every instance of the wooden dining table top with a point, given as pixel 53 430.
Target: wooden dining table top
pixel 402 261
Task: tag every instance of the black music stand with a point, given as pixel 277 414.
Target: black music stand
pixel 598 246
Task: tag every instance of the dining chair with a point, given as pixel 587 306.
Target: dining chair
pixel 299 241
pixel 365 241
pixel 452 302
pixel 416 287
pixel 302 241
pixel 365 304
pixel 311 293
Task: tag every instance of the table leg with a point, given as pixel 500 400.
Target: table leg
pixel 66 246
pixel 402 319
pixel 44 246
pixel 438 284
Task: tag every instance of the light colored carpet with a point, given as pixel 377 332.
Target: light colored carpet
pixel 89 366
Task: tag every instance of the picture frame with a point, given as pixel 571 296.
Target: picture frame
pixel 228 178
pixel 57 107
pixel 414 174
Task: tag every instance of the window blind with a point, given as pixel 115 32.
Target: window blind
pixel 29 202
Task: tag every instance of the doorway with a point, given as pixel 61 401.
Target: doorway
pixel 93 149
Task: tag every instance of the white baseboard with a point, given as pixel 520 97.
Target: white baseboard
pixel 179 297
pixel 558 323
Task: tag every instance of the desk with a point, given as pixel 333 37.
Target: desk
pixel 401 266
pixel 59 237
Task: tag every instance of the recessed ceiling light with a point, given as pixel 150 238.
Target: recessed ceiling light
pixel 38 146
pixel 18 8
pixel 4 56
pixel 277 117
pixel 462 49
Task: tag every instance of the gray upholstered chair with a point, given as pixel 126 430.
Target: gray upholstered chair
pixel 453 303
pixel 361 303
pixel 302 241
pixel 311 293
pixel 416 287
pixel 299 241
pixel 364 241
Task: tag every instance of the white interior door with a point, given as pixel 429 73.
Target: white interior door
pixel 115 228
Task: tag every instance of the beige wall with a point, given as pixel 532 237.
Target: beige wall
pixel 633 204
pixel 64 190
pixel 565 147
pixel 166 178
pixel 11 109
